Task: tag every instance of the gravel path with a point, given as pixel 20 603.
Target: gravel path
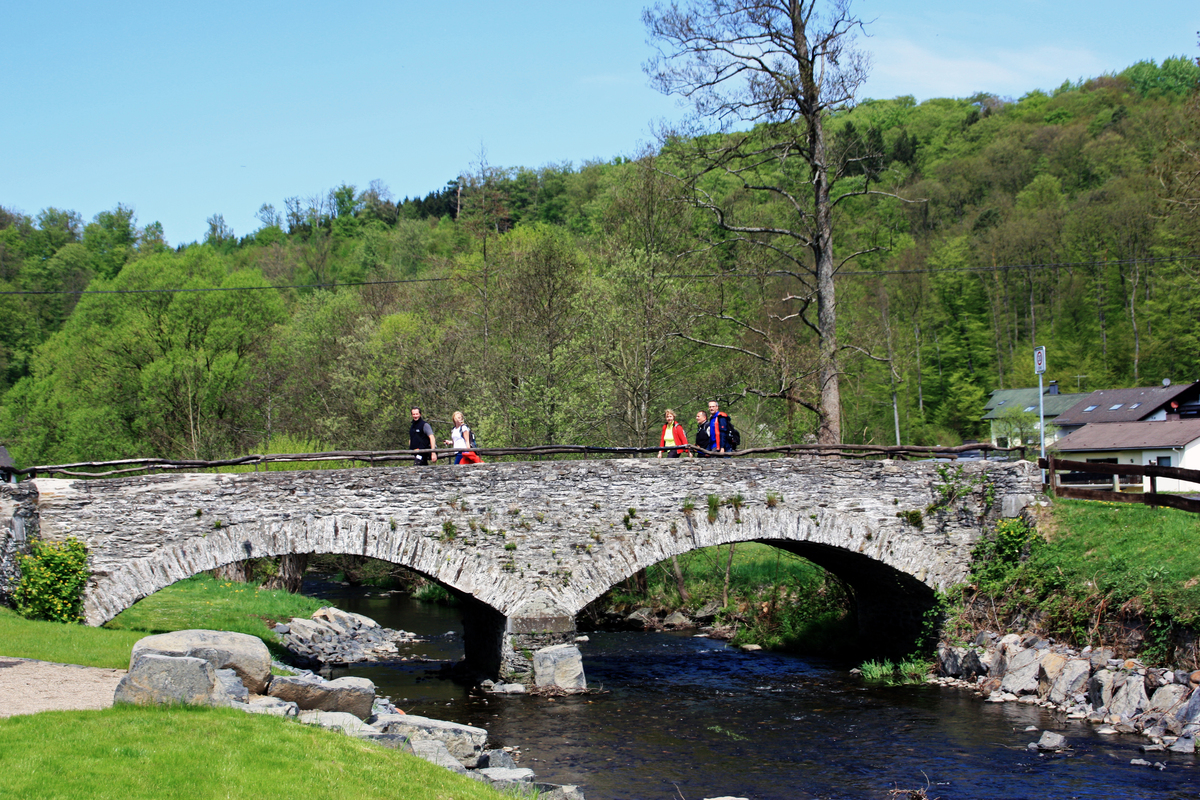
pixel 28 686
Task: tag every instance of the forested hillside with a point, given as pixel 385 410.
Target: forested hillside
pixel 573 304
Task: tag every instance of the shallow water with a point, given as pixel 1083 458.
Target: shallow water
pixel 676 716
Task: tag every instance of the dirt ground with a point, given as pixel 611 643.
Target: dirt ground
pixel 28 686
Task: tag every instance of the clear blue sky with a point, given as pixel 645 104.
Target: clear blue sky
pixel 183 110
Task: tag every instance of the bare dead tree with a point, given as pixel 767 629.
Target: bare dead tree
pixel 782 66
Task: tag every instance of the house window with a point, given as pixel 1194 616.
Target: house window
pixel 1090 408
pixel 1114 408
pixel 1135 405
pixel 1029 408
pixel 1164 461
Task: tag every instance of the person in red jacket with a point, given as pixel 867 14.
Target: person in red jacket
pixel 672 436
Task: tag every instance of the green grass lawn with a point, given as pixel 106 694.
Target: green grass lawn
pixel 149 753
pixel 197 602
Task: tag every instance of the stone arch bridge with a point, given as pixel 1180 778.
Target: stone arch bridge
pixel 528 545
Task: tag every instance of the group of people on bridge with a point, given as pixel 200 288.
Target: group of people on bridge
pixel 715 434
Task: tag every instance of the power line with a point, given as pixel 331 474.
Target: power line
pixel 699 276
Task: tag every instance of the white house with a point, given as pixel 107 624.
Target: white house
pixel 1169 443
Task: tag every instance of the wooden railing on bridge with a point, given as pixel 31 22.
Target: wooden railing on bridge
pixel 100 469
pixel 1152 471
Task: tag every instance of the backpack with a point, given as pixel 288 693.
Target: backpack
pixel 472 433
pixel 735 438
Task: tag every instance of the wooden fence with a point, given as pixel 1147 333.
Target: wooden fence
pixel 99 469
pixel 1150 498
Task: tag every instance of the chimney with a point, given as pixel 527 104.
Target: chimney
pixel 1052 388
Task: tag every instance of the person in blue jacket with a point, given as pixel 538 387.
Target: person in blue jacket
pixel 718 429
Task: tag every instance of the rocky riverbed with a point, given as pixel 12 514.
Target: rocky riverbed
pixel 1088 686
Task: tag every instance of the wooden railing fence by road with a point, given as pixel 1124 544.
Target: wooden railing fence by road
pixel 1153 472
pixel 100 469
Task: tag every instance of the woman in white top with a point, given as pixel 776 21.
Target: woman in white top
pixel 460 439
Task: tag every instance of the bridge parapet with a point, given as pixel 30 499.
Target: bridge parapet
pixel 542 537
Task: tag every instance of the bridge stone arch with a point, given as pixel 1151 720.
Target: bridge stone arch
pixel 530 543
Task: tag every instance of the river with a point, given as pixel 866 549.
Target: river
pixel 673 716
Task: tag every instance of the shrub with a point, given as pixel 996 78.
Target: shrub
pixel 52 579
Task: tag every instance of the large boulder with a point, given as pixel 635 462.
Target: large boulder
pixel 244 654
pixel 559 666
pixel 350 695
pixel 165 680
pixel 464 742
pixel 1021 674
pixel 1130 700
pixel 1050 667
pixel 1071 681
pixel 1100 688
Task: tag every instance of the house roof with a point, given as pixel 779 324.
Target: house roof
pixel 1123 405
pixel 1131 436
pixel 1004 399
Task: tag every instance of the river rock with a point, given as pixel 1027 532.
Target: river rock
pixel 1100 657
pixel 503 776
pixel 1184 744
pixel 271 706
pixel 351 695
pixel 554 791
pixel 436 752
pixel 972 665
pixel 1100 688
pixel 244 654
pixel 678 620
pixel 1051 742
pixel 464 742
pixel 336 720
pixel 1050 666
pixel 950 661
pixel 1021 675
pixel 498 759
pixel 348 620
pixel 642 618
pixel 1131 699
pixel 1071 680
pixel 1168 699
pixel 155 679
pixel 559 666
pixel 1189 713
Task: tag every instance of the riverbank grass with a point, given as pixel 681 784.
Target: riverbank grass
pixel 1089 574
pixel 147 753
pixel 197 602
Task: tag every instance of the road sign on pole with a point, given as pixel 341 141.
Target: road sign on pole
pixel 1039 366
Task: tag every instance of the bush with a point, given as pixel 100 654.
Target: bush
pixel 52 579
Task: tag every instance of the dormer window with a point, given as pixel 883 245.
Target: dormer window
pixel 1029 408
pixel 1135 405
pixel 1090 408
pixel 1114 408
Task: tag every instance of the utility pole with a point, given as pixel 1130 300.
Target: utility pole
pixel 1039 366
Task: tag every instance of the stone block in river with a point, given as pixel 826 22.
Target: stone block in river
pixel 1021 676
pixel 497 758
pixel 1070 681
pixel 155 679
pixel 246 655
pixel 560 666
pixel 1052 741
pixel 351 695
pixel 464 742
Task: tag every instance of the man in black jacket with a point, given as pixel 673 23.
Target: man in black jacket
pixel 420 437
